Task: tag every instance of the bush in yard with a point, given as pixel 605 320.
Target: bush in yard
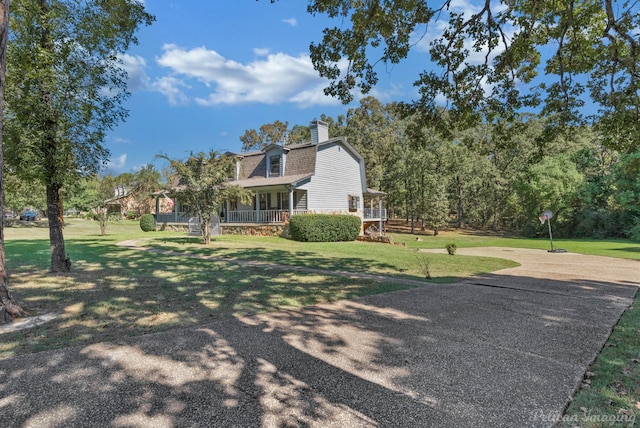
pixel 451 248
pixel 147 223
pixel 324 227
pixel 132 215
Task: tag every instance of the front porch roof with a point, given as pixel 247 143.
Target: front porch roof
pixel 373 193
pixel 292 180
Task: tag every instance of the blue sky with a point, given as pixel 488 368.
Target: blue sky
pixel 207 70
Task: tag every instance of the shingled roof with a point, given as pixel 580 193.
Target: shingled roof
pixel 300 164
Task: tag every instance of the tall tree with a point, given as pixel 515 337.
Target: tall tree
pixel 65 90
pixel 375 130
pixel 203 184
pixel 269 133
pixel 8 306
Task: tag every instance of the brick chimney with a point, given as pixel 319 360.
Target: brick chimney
pixel 319 131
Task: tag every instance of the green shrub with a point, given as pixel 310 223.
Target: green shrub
pixel 132 215
pixel 147 223
pixel 451 248
pixel 324 227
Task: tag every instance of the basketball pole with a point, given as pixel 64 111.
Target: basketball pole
pixel 550 235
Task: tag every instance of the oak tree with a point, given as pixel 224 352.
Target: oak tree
pixel 65 89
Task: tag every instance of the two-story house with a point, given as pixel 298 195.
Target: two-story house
pixel 326 175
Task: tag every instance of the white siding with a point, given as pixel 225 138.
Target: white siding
pixel 337 176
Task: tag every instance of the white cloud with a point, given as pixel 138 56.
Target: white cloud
pixel 313 97
pixel 171 88
pixel 261 51
pixel 272 78
pixel 291 21
pixel 117 163
pixel 137 77
pixel 118 140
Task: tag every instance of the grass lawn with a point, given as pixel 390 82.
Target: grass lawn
pixel 115 292
pixel 610 247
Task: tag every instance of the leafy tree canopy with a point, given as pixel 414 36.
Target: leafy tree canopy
pixel 203 185
pixel 586 50
pixel 279 133
pixel 65 79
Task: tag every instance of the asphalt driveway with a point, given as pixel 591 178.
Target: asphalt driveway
pixel 500 350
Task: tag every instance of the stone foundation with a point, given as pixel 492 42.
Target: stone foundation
pixel 173 227
pixel 253 229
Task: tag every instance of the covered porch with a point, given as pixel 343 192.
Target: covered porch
pixel 374 213
pixel 273 204
pixel 270 205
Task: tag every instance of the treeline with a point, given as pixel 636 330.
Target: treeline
pixel 498 176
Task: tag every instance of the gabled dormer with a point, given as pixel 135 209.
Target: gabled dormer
pixel 276 157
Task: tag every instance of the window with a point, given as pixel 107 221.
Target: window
pixel 274 170
pixel 354 203
pixel 263 201
pixel 284 200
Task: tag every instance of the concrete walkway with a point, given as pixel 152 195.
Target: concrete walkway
pixel 499 350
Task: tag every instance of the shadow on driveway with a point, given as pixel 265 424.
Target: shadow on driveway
pixel 500 350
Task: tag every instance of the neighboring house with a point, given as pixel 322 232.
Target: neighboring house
pixel 326 175
pixel 122 200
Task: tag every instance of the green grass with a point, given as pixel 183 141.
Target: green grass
pixel 115 291
pixel 612 397
pixel 394 261
pixel 604 247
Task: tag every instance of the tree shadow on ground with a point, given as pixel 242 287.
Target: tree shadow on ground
pixel 305 258
pixel 114 292
pixel 469 354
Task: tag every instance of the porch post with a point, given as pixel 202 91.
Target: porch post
pixel 290 201
pixel 381 222
pixel 257 207
pixel 226 211
pixel 175 210
pixel 157 209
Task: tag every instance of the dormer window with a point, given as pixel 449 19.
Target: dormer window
pixel 275 166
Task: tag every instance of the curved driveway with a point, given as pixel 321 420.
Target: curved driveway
pixel 498 350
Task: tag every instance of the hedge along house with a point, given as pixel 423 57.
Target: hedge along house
pixel 325 176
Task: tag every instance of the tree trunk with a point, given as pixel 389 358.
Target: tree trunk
pixel 206 230
pixel 9 309
pixel 59 260
pixel 102 219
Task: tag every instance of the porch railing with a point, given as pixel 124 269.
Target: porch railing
pixel 262 216
pixel 180 217
pixel 375 213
